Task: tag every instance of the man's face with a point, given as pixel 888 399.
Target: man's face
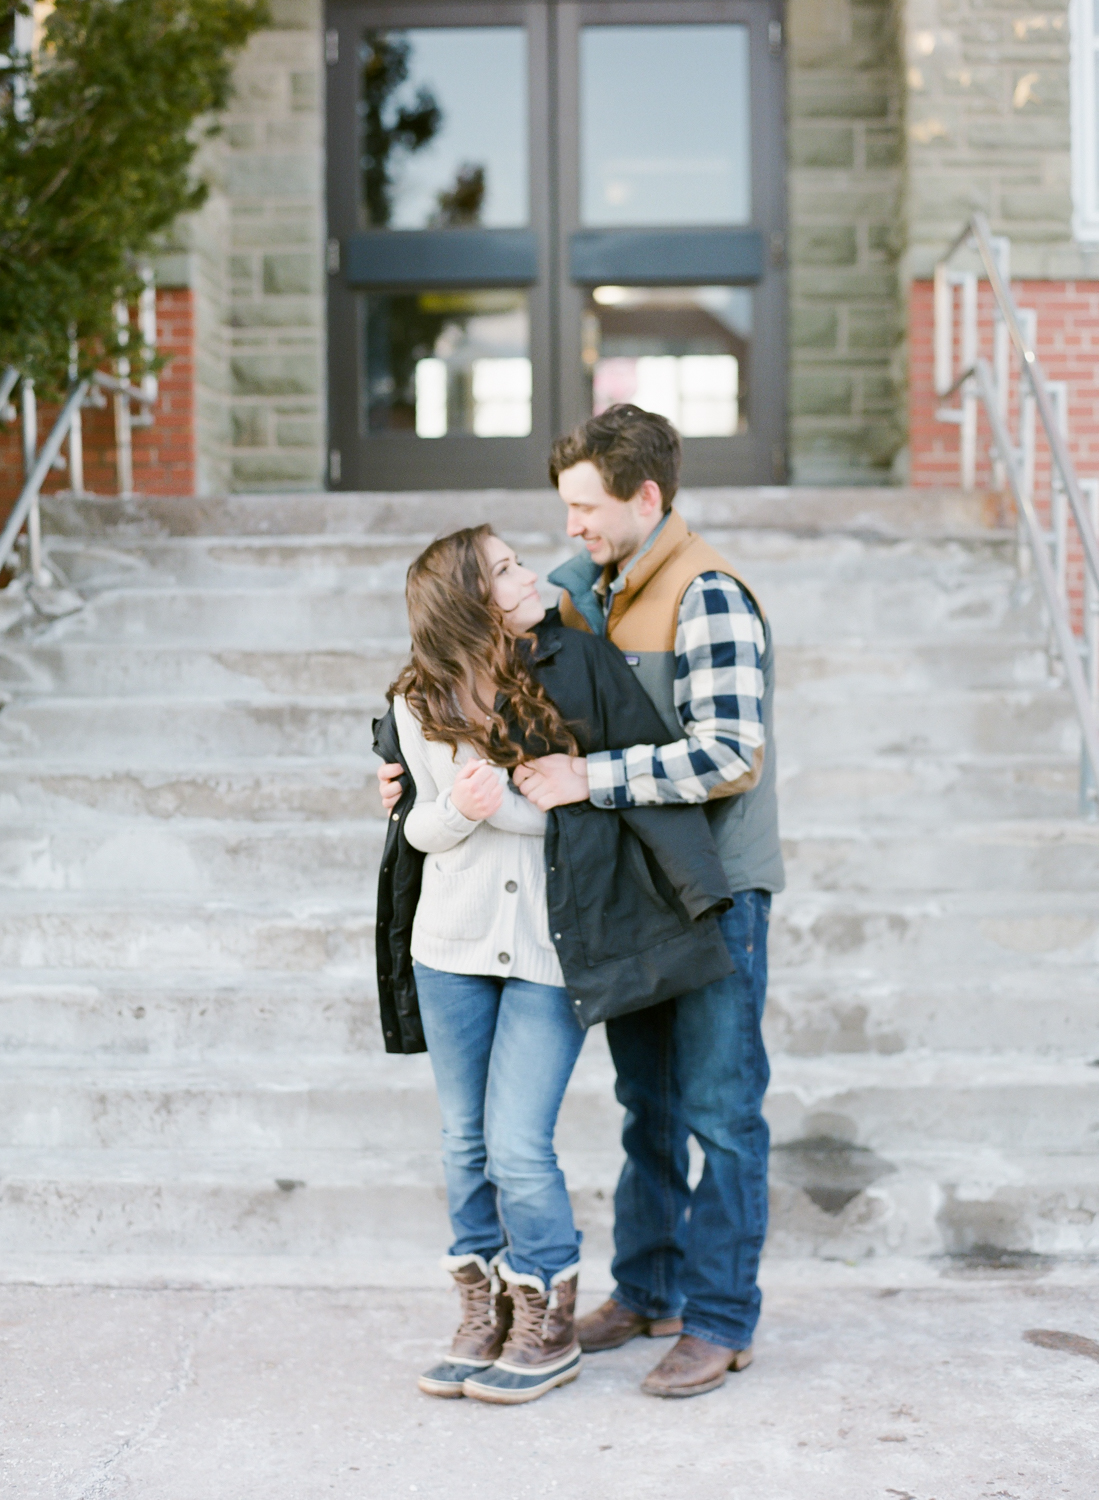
pixel 612 529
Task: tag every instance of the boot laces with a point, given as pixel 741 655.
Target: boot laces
pixel 529 1320
pixel 478 1306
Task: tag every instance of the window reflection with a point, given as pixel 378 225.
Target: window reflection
pixel 664 125
pixel 440 363
pixel 680 351
pixel 440 147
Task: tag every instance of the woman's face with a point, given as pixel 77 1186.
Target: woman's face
pixel 514 588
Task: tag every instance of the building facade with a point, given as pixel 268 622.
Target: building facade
pixel 442 230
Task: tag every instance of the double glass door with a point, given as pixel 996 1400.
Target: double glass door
pixel 538 210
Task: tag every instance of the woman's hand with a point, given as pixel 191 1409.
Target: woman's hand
pixel 477 792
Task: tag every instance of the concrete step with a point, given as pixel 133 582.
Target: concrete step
pixel 180 1016
pixel 62 931
pixel 874 794
pixel 244 618
pixel 890 935
pixel 197 857
pixel 830 1202
pixel 259 789
pixel 333 859
pixel 1046 1010
pixel 372 1102
pixel 1037 721
pixel 1028 721
pixel 82 669
pixel 380 560
pixel 139 731
pixel 881 790
pixel 884 513
pixel 104 1013
pixel 1023 855
pixel 807 605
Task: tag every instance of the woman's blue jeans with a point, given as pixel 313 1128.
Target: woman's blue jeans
pixel 503 1051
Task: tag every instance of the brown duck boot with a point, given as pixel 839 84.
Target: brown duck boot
pixel 612 1325
pixel 541 1349
pixel 692 1367
pixel 486 1317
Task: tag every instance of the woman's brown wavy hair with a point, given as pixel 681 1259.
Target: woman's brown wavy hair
pixel 458 635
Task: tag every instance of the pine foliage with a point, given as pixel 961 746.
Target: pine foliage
pixel 97 144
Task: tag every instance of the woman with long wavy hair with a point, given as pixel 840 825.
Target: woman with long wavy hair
pixel 468 965
pixel 496 1016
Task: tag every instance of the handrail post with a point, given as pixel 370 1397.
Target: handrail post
pixel 1001 350
pixel 30 453
pixel 1089 787
pixel 76 428
pixel 944 330
pixel 123 434
pixel 1058 500
pixel 969 394
pixel 1028 322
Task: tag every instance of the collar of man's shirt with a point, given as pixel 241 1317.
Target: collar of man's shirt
pixel 588 587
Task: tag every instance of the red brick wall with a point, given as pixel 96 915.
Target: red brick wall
pixel 164 454
pixel 1068 349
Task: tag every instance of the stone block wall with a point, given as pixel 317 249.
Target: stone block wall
pixel 845 152
pixel 254 259
pixel 988 127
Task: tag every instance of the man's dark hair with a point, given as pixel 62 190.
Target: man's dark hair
pixel 627 446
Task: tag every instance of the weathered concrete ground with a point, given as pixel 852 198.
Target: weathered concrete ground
pixel 901 1382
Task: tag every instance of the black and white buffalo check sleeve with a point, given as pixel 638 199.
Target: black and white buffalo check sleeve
pixel 718 697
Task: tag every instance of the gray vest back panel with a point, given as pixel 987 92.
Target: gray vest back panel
pixel 745 828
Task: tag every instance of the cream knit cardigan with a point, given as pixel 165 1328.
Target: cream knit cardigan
pixel 482 906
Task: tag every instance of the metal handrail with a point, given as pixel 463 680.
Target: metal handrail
pixel 67 425
pixel 28 497
pixel 993 395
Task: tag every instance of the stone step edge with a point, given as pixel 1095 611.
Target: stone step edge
pixel 286 1171
pixel 412 1268
pixel 916 1069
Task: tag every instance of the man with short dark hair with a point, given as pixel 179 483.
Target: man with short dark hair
pixel 700 644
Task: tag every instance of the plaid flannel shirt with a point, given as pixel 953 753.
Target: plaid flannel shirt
pixel 719 700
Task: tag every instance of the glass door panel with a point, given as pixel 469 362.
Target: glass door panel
pixel 439 323
pixel 664 125
pixel 671 227
pixel 439 149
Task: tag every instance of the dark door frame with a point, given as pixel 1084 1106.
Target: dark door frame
pixel 757 456
pixel 385 460
pixel 392 461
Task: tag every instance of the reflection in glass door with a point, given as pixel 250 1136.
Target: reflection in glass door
pixel 539 210
pixel 671 223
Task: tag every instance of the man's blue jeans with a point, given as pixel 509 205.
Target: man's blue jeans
pixel 503 1052
pixel 697 1066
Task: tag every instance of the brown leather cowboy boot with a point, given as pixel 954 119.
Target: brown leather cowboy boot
pixel 692 1366
pixel 541 1350
pixel 486 1317
pixel 612 1325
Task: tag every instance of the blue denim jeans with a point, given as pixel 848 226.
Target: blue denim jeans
pixel 697 1066
pixel 503 1051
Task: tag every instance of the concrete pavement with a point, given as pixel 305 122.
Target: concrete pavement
pixel 885 1381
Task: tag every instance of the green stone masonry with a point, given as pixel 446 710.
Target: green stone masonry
pixel 845 152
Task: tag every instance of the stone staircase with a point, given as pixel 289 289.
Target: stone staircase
pixel 193 1085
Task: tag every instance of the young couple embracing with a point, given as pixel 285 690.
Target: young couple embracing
pixel 583 828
